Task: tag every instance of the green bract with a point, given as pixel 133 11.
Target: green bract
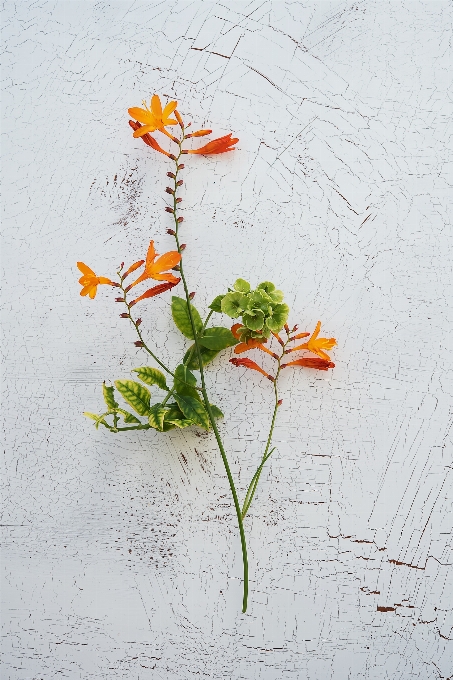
pixel 261 311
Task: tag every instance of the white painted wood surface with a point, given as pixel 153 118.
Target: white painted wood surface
pixel 121 553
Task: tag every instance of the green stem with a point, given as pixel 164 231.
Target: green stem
pixel 205 394
pixel 254 483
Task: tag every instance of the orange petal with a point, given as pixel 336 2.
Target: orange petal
pixel 311 362
pixel 164 262
pixel 143 130
pixel 85 269
pixel 168 110
pixel 234 329
pixel 150 255
pixel 141 115
pixel 248 363
pixel 156 106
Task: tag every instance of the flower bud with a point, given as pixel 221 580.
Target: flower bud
pixel 173 158
pixel 176 269
pixel 183 246
pixel 124 315
pixel 181 166
pixel 171 232
pixel 191 295
pixel 180 182
pixel 169 190
pixel 178 200
pixel 139 343
pixel 138 322
pixel 119 299
pixel 170 210
pixel 179 119
pixel 181 219
pixel 171 174
pixel 295 328
pixel 286 327
pixel 279 402
pixel 121 265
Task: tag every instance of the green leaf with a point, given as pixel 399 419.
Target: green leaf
pixel 279 317
pixel 234 304
pixel 193 410
pixel 156 416
pixel 216 412
pixel 129 418
pixel 109 396
pixel 175 417
pixel 180 313
pixel 135 394
pixel 216 304
pixel 269 288
pixel 217 338
pixel 99 420
pixel 254 319
pixel 184 381
pixel 241 286
pixel 151 376
pixel 179 422
pixel 207 355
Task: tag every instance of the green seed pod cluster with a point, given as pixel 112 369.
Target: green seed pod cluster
pixel 261 311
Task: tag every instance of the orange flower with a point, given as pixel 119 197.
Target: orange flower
pixel 150 141
pixel 317 345
pixel 90 281
pixel 248 363
pixel 157 269
pixel 154 118
pixel 311 362
pixel 220 145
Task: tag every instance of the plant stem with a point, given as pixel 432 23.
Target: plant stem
pixel 254 483
pixel 204 391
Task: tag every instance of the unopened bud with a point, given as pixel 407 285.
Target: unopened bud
pixel 179 119
pixel 269 377
pixel 170 210
pixel 171 174
pixel 173 158
pixel 279 402
pixel 181 181
pixel 178 200
pixel 191 295
pixel 181 219
pixel 115 285
pixel 183 246
pixel 286 327
pixel 121 265
pixel 126 290
pixel 169 190
pixel 139 343
pixel 181 166
pixel 176 269
pixel 124 315
pixel 119 299
pixel 138 322
pixel 295 328
pixel 189 124
pixel 171 232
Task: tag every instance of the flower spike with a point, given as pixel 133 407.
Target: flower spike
pixel 90 281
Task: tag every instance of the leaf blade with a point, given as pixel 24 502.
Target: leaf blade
pixel 193 410
pixel 181 317
pixel 135 394
pixel 218 338
pixel 151 376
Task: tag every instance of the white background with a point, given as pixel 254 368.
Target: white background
pixel 121 552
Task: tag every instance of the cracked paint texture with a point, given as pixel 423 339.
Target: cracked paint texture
pixel 120 553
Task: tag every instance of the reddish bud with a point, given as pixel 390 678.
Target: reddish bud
pixel 121 265
pixel 176 269
pixel 181 181
pixel 183 151
pixel 295 328
pixel 183 246
pixel 286 327
pixel 173 158
pixel 139 343
pixel 179 119
pixel 138 322
pixel 171 232
pixel 191 295
pixel 181 219
pixel 189 124
pixel 178 200
pixel 169 190
pixel 278 338
pixel 279 402
pixel 171 174
pixel 115 285
pixel 119 299
pixel 170 210
pixel 181 166
pixel 124 315
pixel 126 290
